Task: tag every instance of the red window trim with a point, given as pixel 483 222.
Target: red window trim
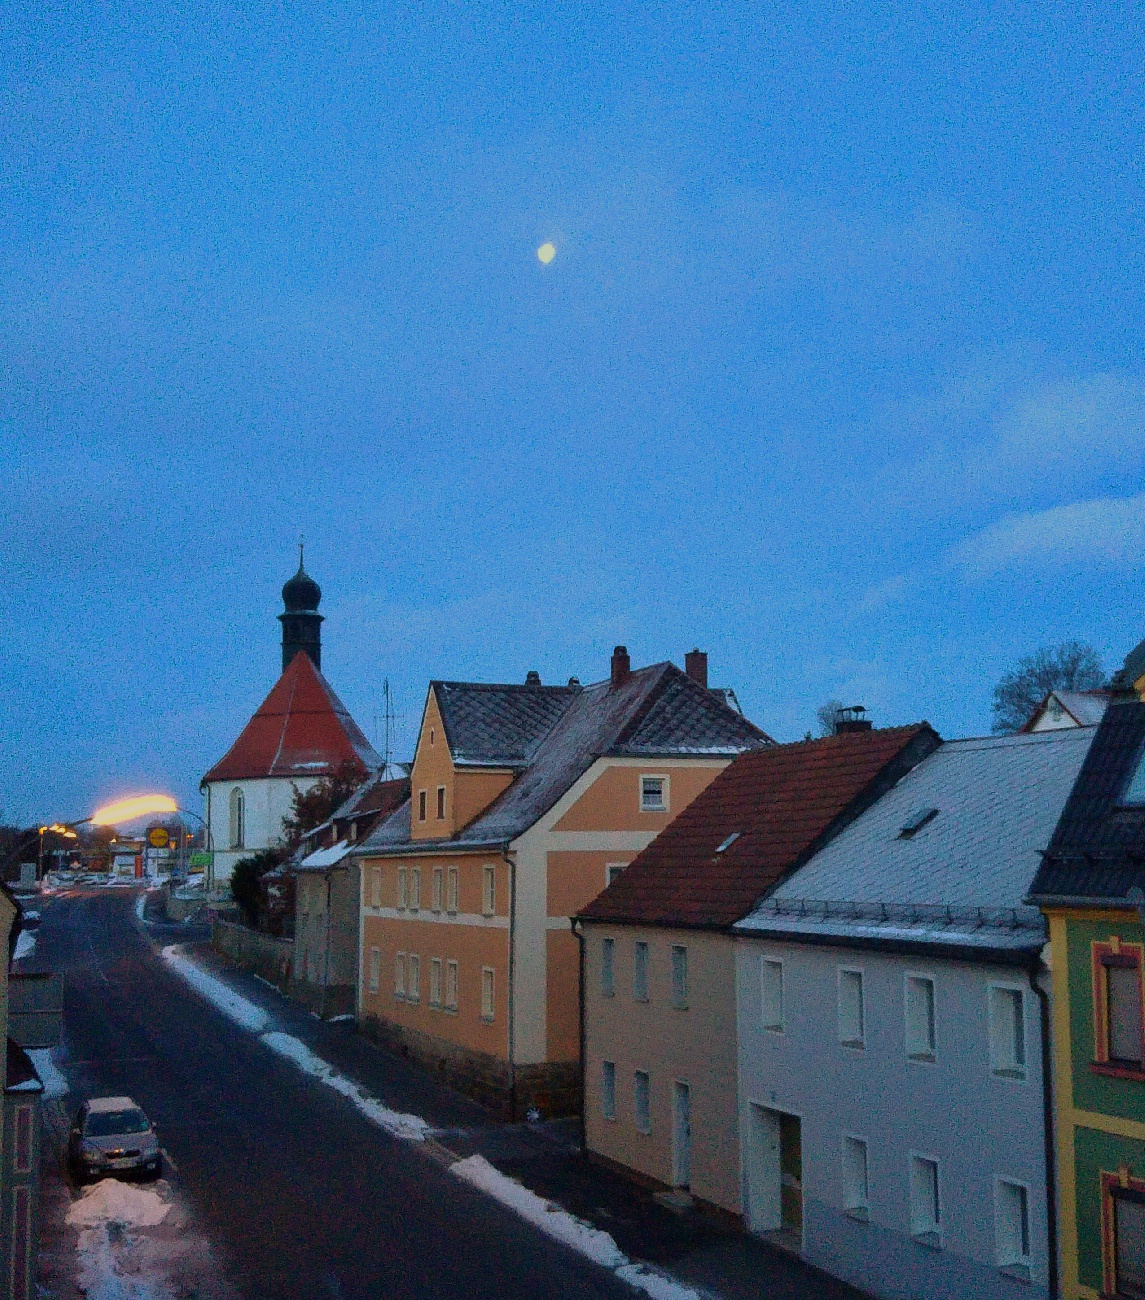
pixel 1127 956
pixel 1116 1071
pixel 1111 1183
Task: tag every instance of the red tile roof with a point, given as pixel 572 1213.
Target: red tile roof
pixel 301 729
pixel 782 803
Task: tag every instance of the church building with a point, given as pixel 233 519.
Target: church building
pixel 300 733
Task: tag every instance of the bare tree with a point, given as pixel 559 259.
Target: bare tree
pixel 1071 666
pixel 828 716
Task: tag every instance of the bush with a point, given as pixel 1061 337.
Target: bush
pixel 246 882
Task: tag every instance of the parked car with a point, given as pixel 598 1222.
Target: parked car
pixel 112 1135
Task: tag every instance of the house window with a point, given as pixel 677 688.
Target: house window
pixel 438 876
pixel 399 975
pixel 771 994
pixel 353 832
pixel 1012 1227
pixel 1136 791
pixel 238 818
pixel 856 1197
pixel 611 871
pixel 1123 1236
pixel 640 972
pixel 851 1010
pixel 413 983
pixel 376 887
pixel 654 793
pixel 488 891
pixel 375 968
pixel 421 795
pixel 403 887
pixel 642 1099
pixel 920 1038
pixel 1117 994
pixel 435 982
pixel 1007 1032
pixel 415 889
pixel 925 1211
pixel 451 890
pixel 23 1154
pixel 607 968
pixel 608 1089
pixel 451 986
pixel 487 990
pixel 441 803
pixel 679 975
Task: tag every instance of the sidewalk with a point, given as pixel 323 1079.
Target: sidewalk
pixel 544 1157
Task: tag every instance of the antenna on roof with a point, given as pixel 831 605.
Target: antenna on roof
pixel 388 717
pixel 301 543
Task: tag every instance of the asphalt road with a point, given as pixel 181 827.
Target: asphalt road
pixel 299 1194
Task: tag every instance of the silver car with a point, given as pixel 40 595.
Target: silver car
pixel 112 1135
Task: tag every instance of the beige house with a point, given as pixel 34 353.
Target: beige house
pixel 660 1049
pixel 525 801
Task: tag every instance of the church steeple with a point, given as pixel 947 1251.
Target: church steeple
pixel 301 621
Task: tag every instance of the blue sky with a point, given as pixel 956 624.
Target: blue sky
pixel 836 373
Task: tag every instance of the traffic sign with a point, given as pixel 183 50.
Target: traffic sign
pixel 158 837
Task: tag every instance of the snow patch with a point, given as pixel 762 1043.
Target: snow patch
pixel 106 1216
pixel 140 906
pixel 25 945
pixel 412 1128
pixel 656 1285
pixel 55 1085
pixel 226 1000
pixel 110 1201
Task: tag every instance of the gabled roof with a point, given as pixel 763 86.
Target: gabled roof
pixel 657 712
pixel 984 810
pixel 758 820
pixel 301 729
pixel 492 725
pixel 374 796
pixel 1098 848
pixel 1070 708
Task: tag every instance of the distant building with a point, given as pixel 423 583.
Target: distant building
pixel 300 733
pixel 1061 709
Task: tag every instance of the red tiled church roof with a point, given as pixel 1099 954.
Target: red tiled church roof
pixel 781 803
pixel 301 729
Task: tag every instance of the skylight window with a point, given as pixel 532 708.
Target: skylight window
pixel 916 821
pixel 1136 791
pixel 731 839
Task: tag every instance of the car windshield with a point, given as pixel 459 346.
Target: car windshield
pixel 110 1123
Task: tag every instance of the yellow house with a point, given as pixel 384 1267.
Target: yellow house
pixel 526 801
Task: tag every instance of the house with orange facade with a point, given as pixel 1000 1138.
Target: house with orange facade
pixel 526 801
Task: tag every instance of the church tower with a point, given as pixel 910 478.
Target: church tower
pixel 301 621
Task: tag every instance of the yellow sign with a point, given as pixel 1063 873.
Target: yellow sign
pixel 158 838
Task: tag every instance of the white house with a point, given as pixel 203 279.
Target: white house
pixel 300 733
pixel 892 1014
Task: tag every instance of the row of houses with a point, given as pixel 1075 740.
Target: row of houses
pixel 808 988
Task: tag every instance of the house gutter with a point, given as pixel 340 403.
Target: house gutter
pixel 578 930
pixel 1048 1133
pixel 511 863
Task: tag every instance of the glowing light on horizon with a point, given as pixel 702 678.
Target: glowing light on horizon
pixel 126 810
pixel 546 253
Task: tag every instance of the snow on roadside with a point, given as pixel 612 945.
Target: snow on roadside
pixel 551 1219
pixel 410 1127
pixel 110 1201
pixel 236 1008
pixel 105 1216
pixel 55 1085
pixel 140 905
pixel 25 945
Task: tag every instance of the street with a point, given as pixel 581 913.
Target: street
pixel 297 1192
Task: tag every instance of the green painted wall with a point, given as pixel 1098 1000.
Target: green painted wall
pixel 1094 1152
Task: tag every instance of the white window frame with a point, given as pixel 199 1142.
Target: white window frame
pixel 608 1090
pixel 1019 1070
pixel 399 976
pixel 680 976
pixel 375 969
pixel 376 886
pixel 847 1039
pixel 608 968
pixel 1016 1262
pixel 488 994
pixel 402 888
pixel 451 983
pixel 642 1122
pixel 930 1055
pixel 640 960
pixel 665 800
pixel 857 1205
pixel 772 1024
pixel 435 981
pixel 488 890
pixel 438 887
pixel 413 977
pixel 415 889
pixel 926 1230
pixel 452 890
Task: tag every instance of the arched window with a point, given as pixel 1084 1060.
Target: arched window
pixel 238 819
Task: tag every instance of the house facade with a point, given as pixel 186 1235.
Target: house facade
pixel 300 733
pixel 525 801
pixel 1091 888
pixel 893 1016
pixel 1062 709
pixel 660 1045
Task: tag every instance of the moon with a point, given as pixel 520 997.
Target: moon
pixel 546 253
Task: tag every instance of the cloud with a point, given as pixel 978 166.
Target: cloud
pixel 1109 530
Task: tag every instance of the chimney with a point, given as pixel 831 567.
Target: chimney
pixel 696 666
pixel 532 678
pixel 621 665
pixel 851 719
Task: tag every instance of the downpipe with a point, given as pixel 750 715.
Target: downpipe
pixel 1048 1134
pixel 510 862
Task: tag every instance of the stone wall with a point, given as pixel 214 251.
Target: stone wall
pixel 263 954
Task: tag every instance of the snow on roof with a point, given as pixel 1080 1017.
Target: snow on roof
pixel 320 859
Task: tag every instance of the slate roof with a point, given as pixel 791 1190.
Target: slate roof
pixel 498 726
pixel 658 712
pixel 301 729
pixel 1132 670
pixel 1084 708
pixel 1098 848
pixel 988 808
pixel 781 803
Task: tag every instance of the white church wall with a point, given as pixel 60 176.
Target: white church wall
pixel 267 802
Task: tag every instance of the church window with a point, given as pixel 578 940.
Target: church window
pixel 238 818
